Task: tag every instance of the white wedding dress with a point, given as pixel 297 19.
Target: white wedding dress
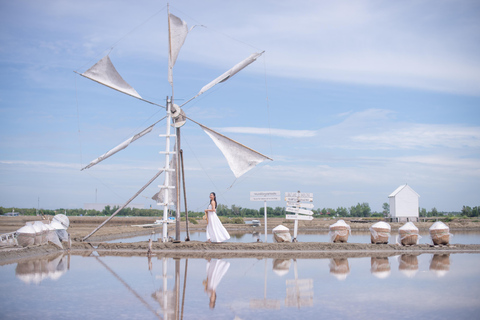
pixel 216 232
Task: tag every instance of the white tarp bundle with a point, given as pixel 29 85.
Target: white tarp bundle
pixel 26 235
pixel 62 219
pixel 105 73
pixel 61 223
pixel 41 232
pixel 408 234
pixel 281 234
pixel 380 232
pixel 239 157
pixel 178 32
pixel 52 236
pixel 440 233
pixel 120 147
pixel 339 231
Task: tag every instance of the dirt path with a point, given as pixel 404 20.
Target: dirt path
pixel 122 228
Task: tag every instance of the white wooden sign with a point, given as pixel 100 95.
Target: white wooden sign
pixel 265 196
pixel 298 199
pixel 300 204
pixel 299 210
pixel 299 194
pixel 297 217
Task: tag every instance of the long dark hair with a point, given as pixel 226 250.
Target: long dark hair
pixel 214 199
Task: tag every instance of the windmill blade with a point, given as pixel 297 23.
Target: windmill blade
pixel 121 146
pixel 105 73
pixel 227 75
pixel 177 34
pixel 240 158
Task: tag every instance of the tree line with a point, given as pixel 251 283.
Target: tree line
pixel 359 210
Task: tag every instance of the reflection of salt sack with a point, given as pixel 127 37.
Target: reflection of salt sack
pixel 62 219
pixel 408 265
pixel 34 271
pixel 380 267
pixel 440 264
pixel 26 236
pixel 408 234
pixel 339 231
pixel 380 232
pixel 281 267
pixel 439 232
pixel 339 268
pixel 281 234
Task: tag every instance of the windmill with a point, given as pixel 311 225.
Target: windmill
pixel 240 158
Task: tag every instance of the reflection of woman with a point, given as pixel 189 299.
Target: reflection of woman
pixel 216 269
pixel 216 232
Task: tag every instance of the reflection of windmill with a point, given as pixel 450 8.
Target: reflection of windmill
pixel 239 157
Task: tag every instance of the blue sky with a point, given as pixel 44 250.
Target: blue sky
pixel 351 99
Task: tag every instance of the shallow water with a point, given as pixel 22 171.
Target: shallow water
pixel 422 287
pixel 464 237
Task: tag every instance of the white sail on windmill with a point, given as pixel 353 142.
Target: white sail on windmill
pixel 240 158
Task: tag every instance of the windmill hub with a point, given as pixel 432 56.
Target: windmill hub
pixel 178 116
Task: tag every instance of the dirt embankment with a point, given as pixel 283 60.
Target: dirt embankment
pixel 121 227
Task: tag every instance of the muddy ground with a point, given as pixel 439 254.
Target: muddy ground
pixel 121 227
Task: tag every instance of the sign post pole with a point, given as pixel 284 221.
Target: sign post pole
pixel 265 214
pixel 265 196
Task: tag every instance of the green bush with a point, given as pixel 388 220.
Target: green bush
pixel 192 220
pixel 224 220
pixel 237 221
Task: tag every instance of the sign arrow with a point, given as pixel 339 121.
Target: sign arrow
pixel 300 204
pixel 297 217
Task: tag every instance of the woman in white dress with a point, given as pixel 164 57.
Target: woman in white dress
pixel 216 232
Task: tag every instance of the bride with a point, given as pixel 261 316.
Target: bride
pixel 216 232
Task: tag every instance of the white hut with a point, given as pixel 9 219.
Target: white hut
pixel 404 204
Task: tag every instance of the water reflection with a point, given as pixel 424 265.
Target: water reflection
pixel 440 264
pixel 299 291
pixel 216 269
pixel 265 303
pixel 47 267
pixel 408 264
pixel 339 268
pixel 380 267
pixel 281 266
pixel 224 288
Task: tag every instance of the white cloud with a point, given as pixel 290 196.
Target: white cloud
pixel 378 129
pixel 285 133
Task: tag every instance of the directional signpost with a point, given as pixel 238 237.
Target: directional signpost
pixel 296 202
pixel 265 196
